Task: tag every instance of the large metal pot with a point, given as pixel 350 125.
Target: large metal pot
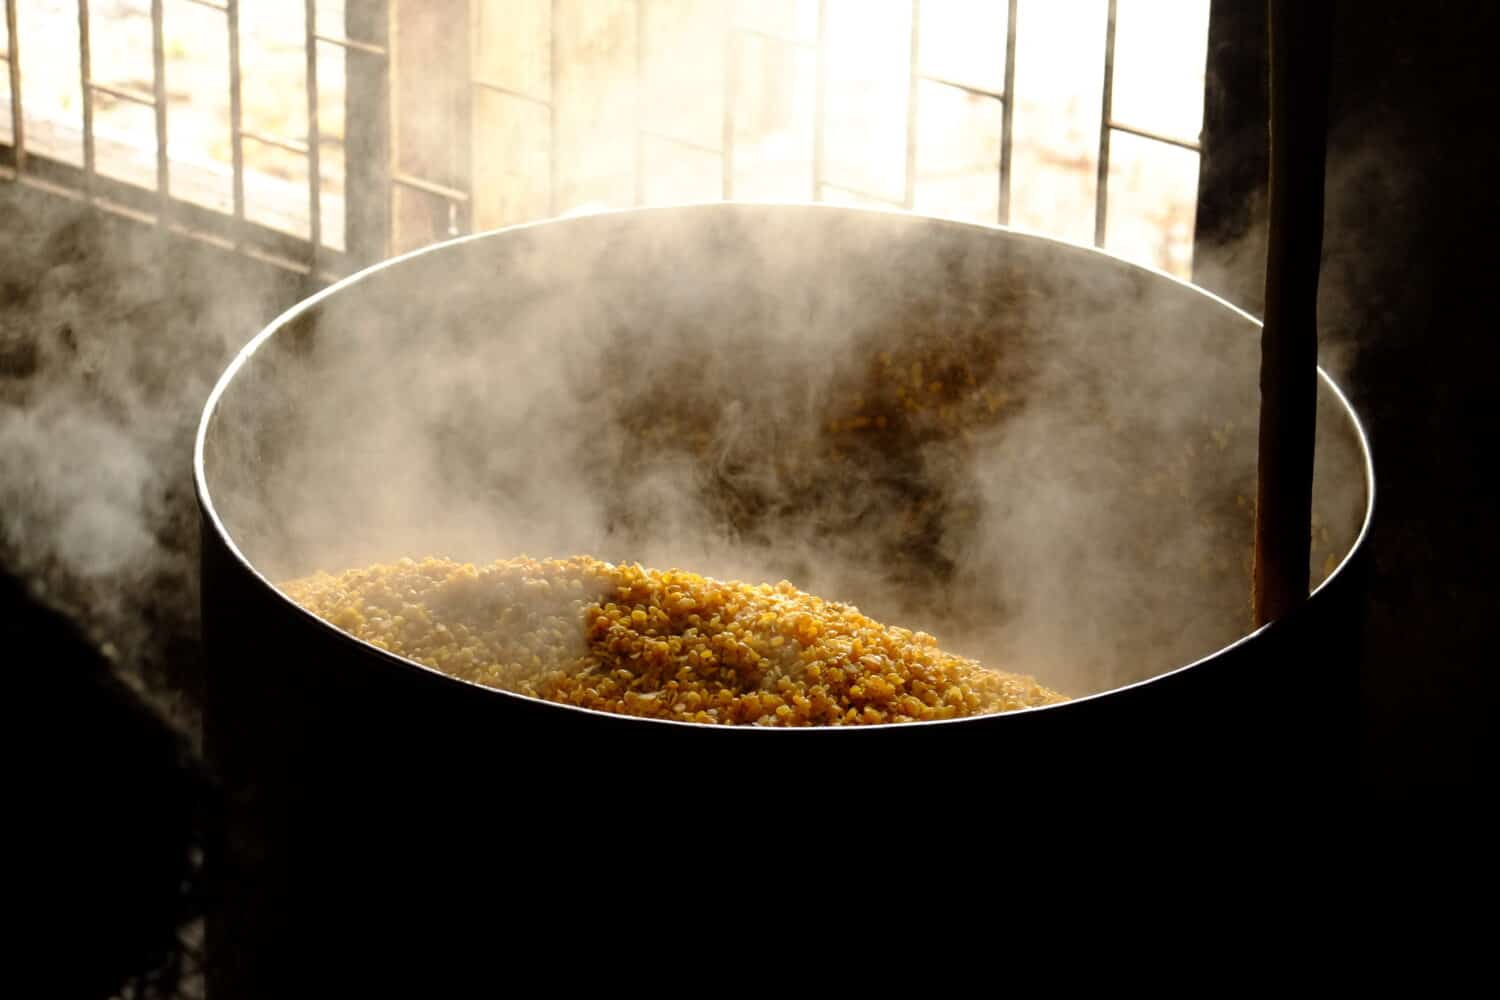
pixel 543 388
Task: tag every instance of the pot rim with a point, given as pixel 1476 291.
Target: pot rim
pixel 242 357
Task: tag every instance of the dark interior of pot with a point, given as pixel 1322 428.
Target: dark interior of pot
pixel 1040 454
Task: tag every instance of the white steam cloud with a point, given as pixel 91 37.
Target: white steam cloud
pixel 1042 456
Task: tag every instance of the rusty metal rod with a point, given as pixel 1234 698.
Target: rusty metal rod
pixel 296 146
pixel 731 100
pixel 913 95
pixel 1106 114
pixel 450 194
pixel 1299 33
pixel 13 60
pixel 86 91
pixel 159 99
pixel 554 112
pixel 1007 113
pixel 1161 137
pixel 350 44
pixel 236 114
pixel 123 94
pixel 496 88
pixel 972 90
pixel 314 138
pixel 130 200
pixel 820 105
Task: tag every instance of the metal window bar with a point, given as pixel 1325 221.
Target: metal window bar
pixel 310 147
pixel 13 61
pixel 307 148
pixel 458 198
pixel 1007 114
pixel 496 88
pixel 123 94
pixel 368 124
pixel 913 88
pixel 159 104
pixel 450 194
pixel 350 44
pixel 86 88
pixel 124 197
pixel 1003 96
pixel 194 221
pixel 156 101
pixel 1169 140
pixel 820 105
pixel 314 136
pixel 278 142
pixel 733 54
pixel 554 66
pixel 639 152
pixel 238 133
pixel 1101 195
pixel 1108 126
pixel 734 36
pixel 236 116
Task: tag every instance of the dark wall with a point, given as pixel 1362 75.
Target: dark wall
pixel 1410 234
pixel 1406 318
pixel 1406 322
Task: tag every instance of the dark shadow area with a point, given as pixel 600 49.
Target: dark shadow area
pixel 116 804
pixel 111 334
pixel 1410 227
pixel 1405 323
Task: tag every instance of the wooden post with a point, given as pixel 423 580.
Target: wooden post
pixel 1299 31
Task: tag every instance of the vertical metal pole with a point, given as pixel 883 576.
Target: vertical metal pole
pixel 461 120
pixel 731 98
pixel 85 78
pixel 913 83
pixel 236 118
pixel 431 85
pixel 159 97
pixel 314 138
pixel 1007 112
pixel 1106 115
pixel 367 138
pixel 17 126
pixel 640 102
pixel 820 104
pixel 554 169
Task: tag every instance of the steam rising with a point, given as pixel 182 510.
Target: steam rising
pixel 685 387
pixel 105 358
pixel 662 388
pixel 666 389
